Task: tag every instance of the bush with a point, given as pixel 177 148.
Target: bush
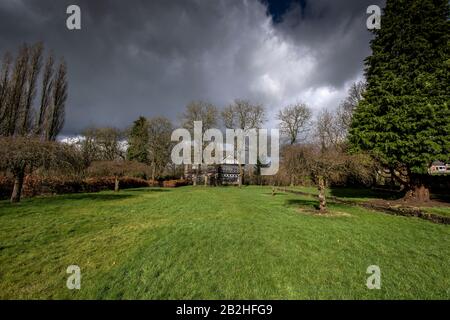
pixel 35 185
pixel 6 186
pixel 131 182
pixel 174 183
pixel 154 183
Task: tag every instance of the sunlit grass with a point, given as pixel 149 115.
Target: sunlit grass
pixel 207 243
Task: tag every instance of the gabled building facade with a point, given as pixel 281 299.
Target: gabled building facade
pixel 226 173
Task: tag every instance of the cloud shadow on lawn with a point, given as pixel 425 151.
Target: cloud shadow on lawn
pixel 98 196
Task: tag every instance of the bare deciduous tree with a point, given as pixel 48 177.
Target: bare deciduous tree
pixel 59 97
pixel 200 111
pixel 47 85
pixel 295 162
pixel 24 154
pixel 294 120
pixel 18 89
pixel 4 92
pixel 243 115
pixel 30 87
pixel 346 108
pixel 328 131
pixel 88 148
pixel 17 94
pixel 332 164
pixel 102 144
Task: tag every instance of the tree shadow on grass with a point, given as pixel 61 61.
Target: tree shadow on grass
pixel 97 196
pixel 312 207
pixel 440 197
pixel 275 194
pixel 308 204
pixel 371 194
pixel 365 193
pixel 145 190
pixel 65 198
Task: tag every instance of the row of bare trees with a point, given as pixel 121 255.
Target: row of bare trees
pixel 20 78
pixel 149 139
pixel 241 114
pixel 28 127
pixel 315 148
pixel 310 142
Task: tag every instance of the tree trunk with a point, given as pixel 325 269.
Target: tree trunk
pixel 322 199
pixel 241 174
pixel 17 189
pixel 418 189
pixel 153 171
pixel 116 184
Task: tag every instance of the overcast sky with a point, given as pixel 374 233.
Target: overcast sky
pixel 151 58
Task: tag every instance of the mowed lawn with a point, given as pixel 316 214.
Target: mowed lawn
pixel 215 243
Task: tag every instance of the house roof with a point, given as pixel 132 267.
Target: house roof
pixel 229 160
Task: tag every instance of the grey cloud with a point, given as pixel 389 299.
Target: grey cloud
pixel 336 32
pixel 151 58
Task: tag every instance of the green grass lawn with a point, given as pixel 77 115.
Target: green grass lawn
pixel 442 211
pixel 215 243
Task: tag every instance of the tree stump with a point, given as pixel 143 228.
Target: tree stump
pixel 322 198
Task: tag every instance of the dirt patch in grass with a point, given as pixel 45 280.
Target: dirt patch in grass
pixel 410 204
pixel 400 207
pixel 315 212
pixel 395 207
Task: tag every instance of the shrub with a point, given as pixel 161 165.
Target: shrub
pixel 36 185
pixel 154 183
pixel 6 186
pixel 131 182
pixel 107 183
pixel 174 183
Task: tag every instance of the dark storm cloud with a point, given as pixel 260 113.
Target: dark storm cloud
pixel 151 58
pixel 336 31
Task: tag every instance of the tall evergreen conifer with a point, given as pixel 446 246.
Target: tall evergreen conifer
pixel 404 118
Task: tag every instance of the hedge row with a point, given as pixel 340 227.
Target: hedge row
pixel 174 183
pixel 34 185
